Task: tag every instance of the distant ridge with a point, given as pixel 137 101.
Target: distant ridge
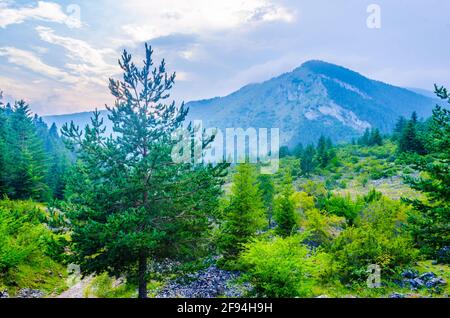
pixel 317 98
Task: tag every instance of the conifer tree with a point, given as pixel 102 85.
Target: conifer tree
pixel 285 210
pixel 307 161
pixel 243 214
pixel 431 228
pixel 129 203
pixel 26 162
pixel 409 141
pixel 268 192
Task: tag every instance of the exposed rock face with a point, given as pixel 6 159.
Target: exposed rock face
pixel 4 294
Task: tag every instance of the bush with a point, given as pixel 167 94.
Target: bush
pixel 342 206
pixel 280 267
pixel 322 228
pixel 378 237
pixel 27 247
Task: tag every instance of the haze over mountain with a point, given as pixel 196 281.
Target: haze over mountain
pixel 317 98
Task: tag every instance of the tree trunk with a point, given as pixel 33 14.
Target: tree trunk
pixel 142 276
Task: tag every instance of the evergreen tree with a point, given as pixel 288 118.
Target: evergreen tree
pixel 3 169
pixel 325 152
pixel 243 214
pixel 25 159
pixel 285 210
pixel 128 202
pixel 399 127
pixel 409 141
pixel 307 161
pixel 267 188
pixel 431 228
pixel 59 157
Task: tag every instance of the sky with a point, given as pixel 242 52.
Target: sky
pixel 58 55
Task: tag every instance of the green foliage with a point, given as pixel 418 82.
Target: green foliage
pixel 431 227
pixel 325 152
pixel 285 209
pixel 378 237
pixel 24 159
pixel 267 188
pixel 371 137
pixel 410 141
pixel 243 214
pixel 322 227
pixel 103 286
pixel 27 252
pixel 128 201
pixel 342 206
pixel 280 267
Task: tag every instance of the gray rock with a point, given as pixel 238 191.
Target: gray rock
pixel 435 282
pixel 4 294
pixel 427 276
pixel 397 295
pixel 409 274
pixel 30 293
pixel 210 283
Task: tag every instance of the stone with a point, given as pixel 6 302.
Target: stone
pixel 4 294
pixel 397 295
pixel 427 276
pixel 30 293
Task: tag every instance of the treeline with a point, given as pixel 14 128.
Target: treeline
pixel 33 158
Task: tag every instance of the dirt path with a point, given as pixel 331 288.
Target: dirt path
pixel 77 290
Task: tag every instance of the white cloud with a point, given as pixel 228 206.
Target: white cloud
pixel 200 16
pixel 89 63
pixel 44 11
pixel 29 60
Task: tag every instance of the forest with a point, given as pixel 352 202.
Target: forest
pixel 367 218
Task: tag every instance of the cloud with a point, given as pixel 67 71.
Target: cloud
pixel 29 60
pixel 44 11
pixel 200 16
pixel 89 63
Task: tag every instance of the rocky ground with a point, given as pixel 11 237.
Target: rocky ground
pixel 210 283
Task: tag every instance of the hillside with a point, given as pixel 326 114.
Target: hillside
pixel 317 98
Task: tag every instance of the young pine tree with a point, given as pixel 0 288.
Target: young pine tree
pixel 267 188
pixel 25 157
pixel 243 214
pixel 285 213
pixel 431 228
pixel 129 203
pixel 307 161
pixel 409 141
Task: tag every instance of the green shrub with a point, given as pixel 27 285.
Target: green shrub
pixel 377 237
pixel 342 206
pixel 280 267
pixel 28 255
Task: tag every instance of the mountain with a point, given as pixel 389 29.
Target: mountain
pixel 314 99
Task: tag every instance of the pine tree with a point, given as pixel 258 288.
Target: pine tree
pixel 243 214
pixel 325 152
pixel 128 202
pixel 409 141
pixel 431 228
pixel 267 188
pixel 25 157
pixel 307 161
pixel 399 126
pixel 375 138
pixel 285 211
